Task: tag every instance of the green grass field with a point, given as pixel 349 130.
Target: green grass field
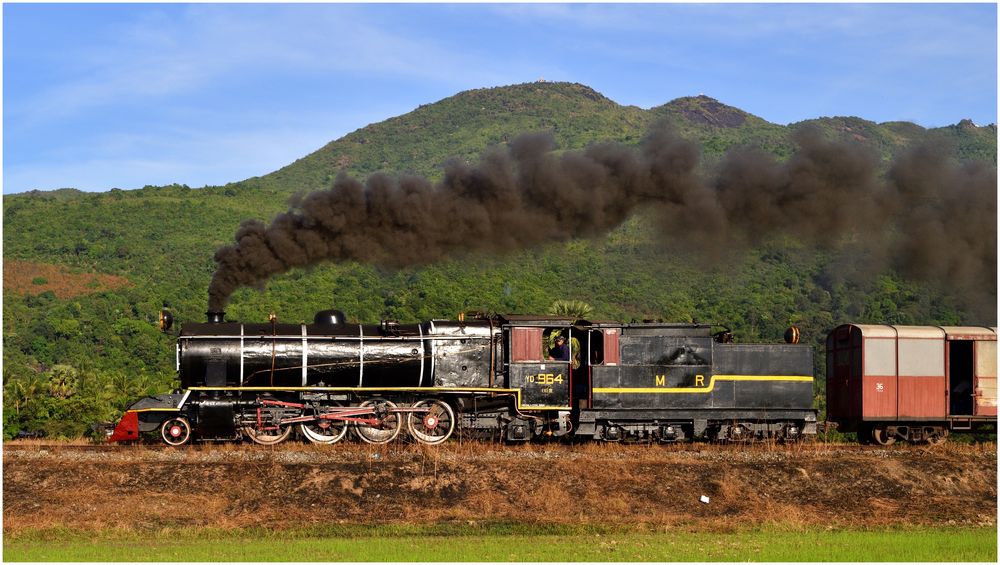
pixel 506 543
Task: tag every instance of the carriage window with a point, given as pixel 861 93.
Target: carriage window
pixel 525 345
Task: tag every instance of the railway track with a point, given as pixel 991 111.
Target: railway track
pixel 474 445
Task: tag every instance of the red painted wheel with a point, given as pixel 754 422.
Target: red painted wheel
pixel 325 430
pixel 268 436
pixel 389 423
pixel 433 426
pixel 176 431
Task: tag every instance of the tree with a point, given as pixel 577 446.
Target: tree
pixel 63 380
pixel 576 309
pixel 20 392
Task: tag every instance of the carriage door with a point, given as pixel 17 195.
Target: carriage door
pixel 986 378
pixel 544 383
pixel 960 385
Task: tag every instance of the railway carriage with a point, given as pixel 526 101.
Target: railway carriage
pixel 911 383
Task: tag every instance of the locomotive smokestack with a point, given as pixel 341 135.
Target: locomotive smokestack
pixel 216 317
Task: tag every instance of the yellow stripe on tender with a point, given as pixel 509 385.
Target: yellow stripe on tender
pixel 704 389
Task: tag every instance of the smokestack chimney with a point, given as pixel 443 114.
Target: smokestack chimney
pixel 216 317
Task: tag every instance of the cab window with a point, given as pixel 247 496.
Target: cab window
pixel 526 345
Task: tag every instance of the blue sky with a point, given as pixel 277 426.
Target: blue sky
pixel 125 95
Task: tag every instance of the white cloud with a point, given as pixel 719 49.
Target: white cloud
pixel 158 69
pixel 158 57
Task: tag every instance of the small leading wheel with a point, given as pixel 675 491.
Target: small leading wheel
pixel 388 426
pixel 268 437
pixel 324 430
pixel 176 431
pixel 433 425
pixel 881 436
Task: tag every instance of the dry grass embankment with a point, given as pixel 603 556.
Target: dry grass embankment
pixel 48 485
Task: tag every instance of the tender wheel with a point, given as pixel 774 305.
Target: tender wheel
pixel 739 433
pixel 176 431
pixel 882 437
pixel 433 426
pixel 389 424
pixel 325 431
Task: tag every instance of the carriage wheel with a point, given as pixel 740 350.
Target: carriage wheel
pixel 881 436
pixel 268 437
pixel 176 431
pixel 433 426
pixel 389 426
pixel 939 436
pixel 325 431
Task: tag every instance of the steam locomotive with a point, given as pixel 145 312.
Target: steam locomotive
pixel 489 377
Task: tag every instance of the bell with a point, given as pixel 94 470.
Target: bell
pixel 792 335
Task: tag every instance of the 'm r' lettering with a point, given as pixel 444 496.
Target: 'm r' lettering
pixel 661 380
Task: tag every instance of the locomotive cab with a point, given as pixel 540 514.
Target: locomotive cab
pixel 543 380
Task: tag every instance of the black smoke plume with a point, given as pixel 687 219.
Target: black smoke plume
pixel 930 217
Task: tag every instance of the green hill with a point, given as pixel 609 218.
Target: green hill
pixel 103 341
pixel 462 126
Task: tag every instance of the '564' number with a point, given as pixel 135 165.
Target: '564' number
pixel 545 378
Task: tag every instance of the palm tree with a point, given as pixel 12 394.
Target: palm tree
pixel 576 309
pixel 62 381
pixel 22 392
